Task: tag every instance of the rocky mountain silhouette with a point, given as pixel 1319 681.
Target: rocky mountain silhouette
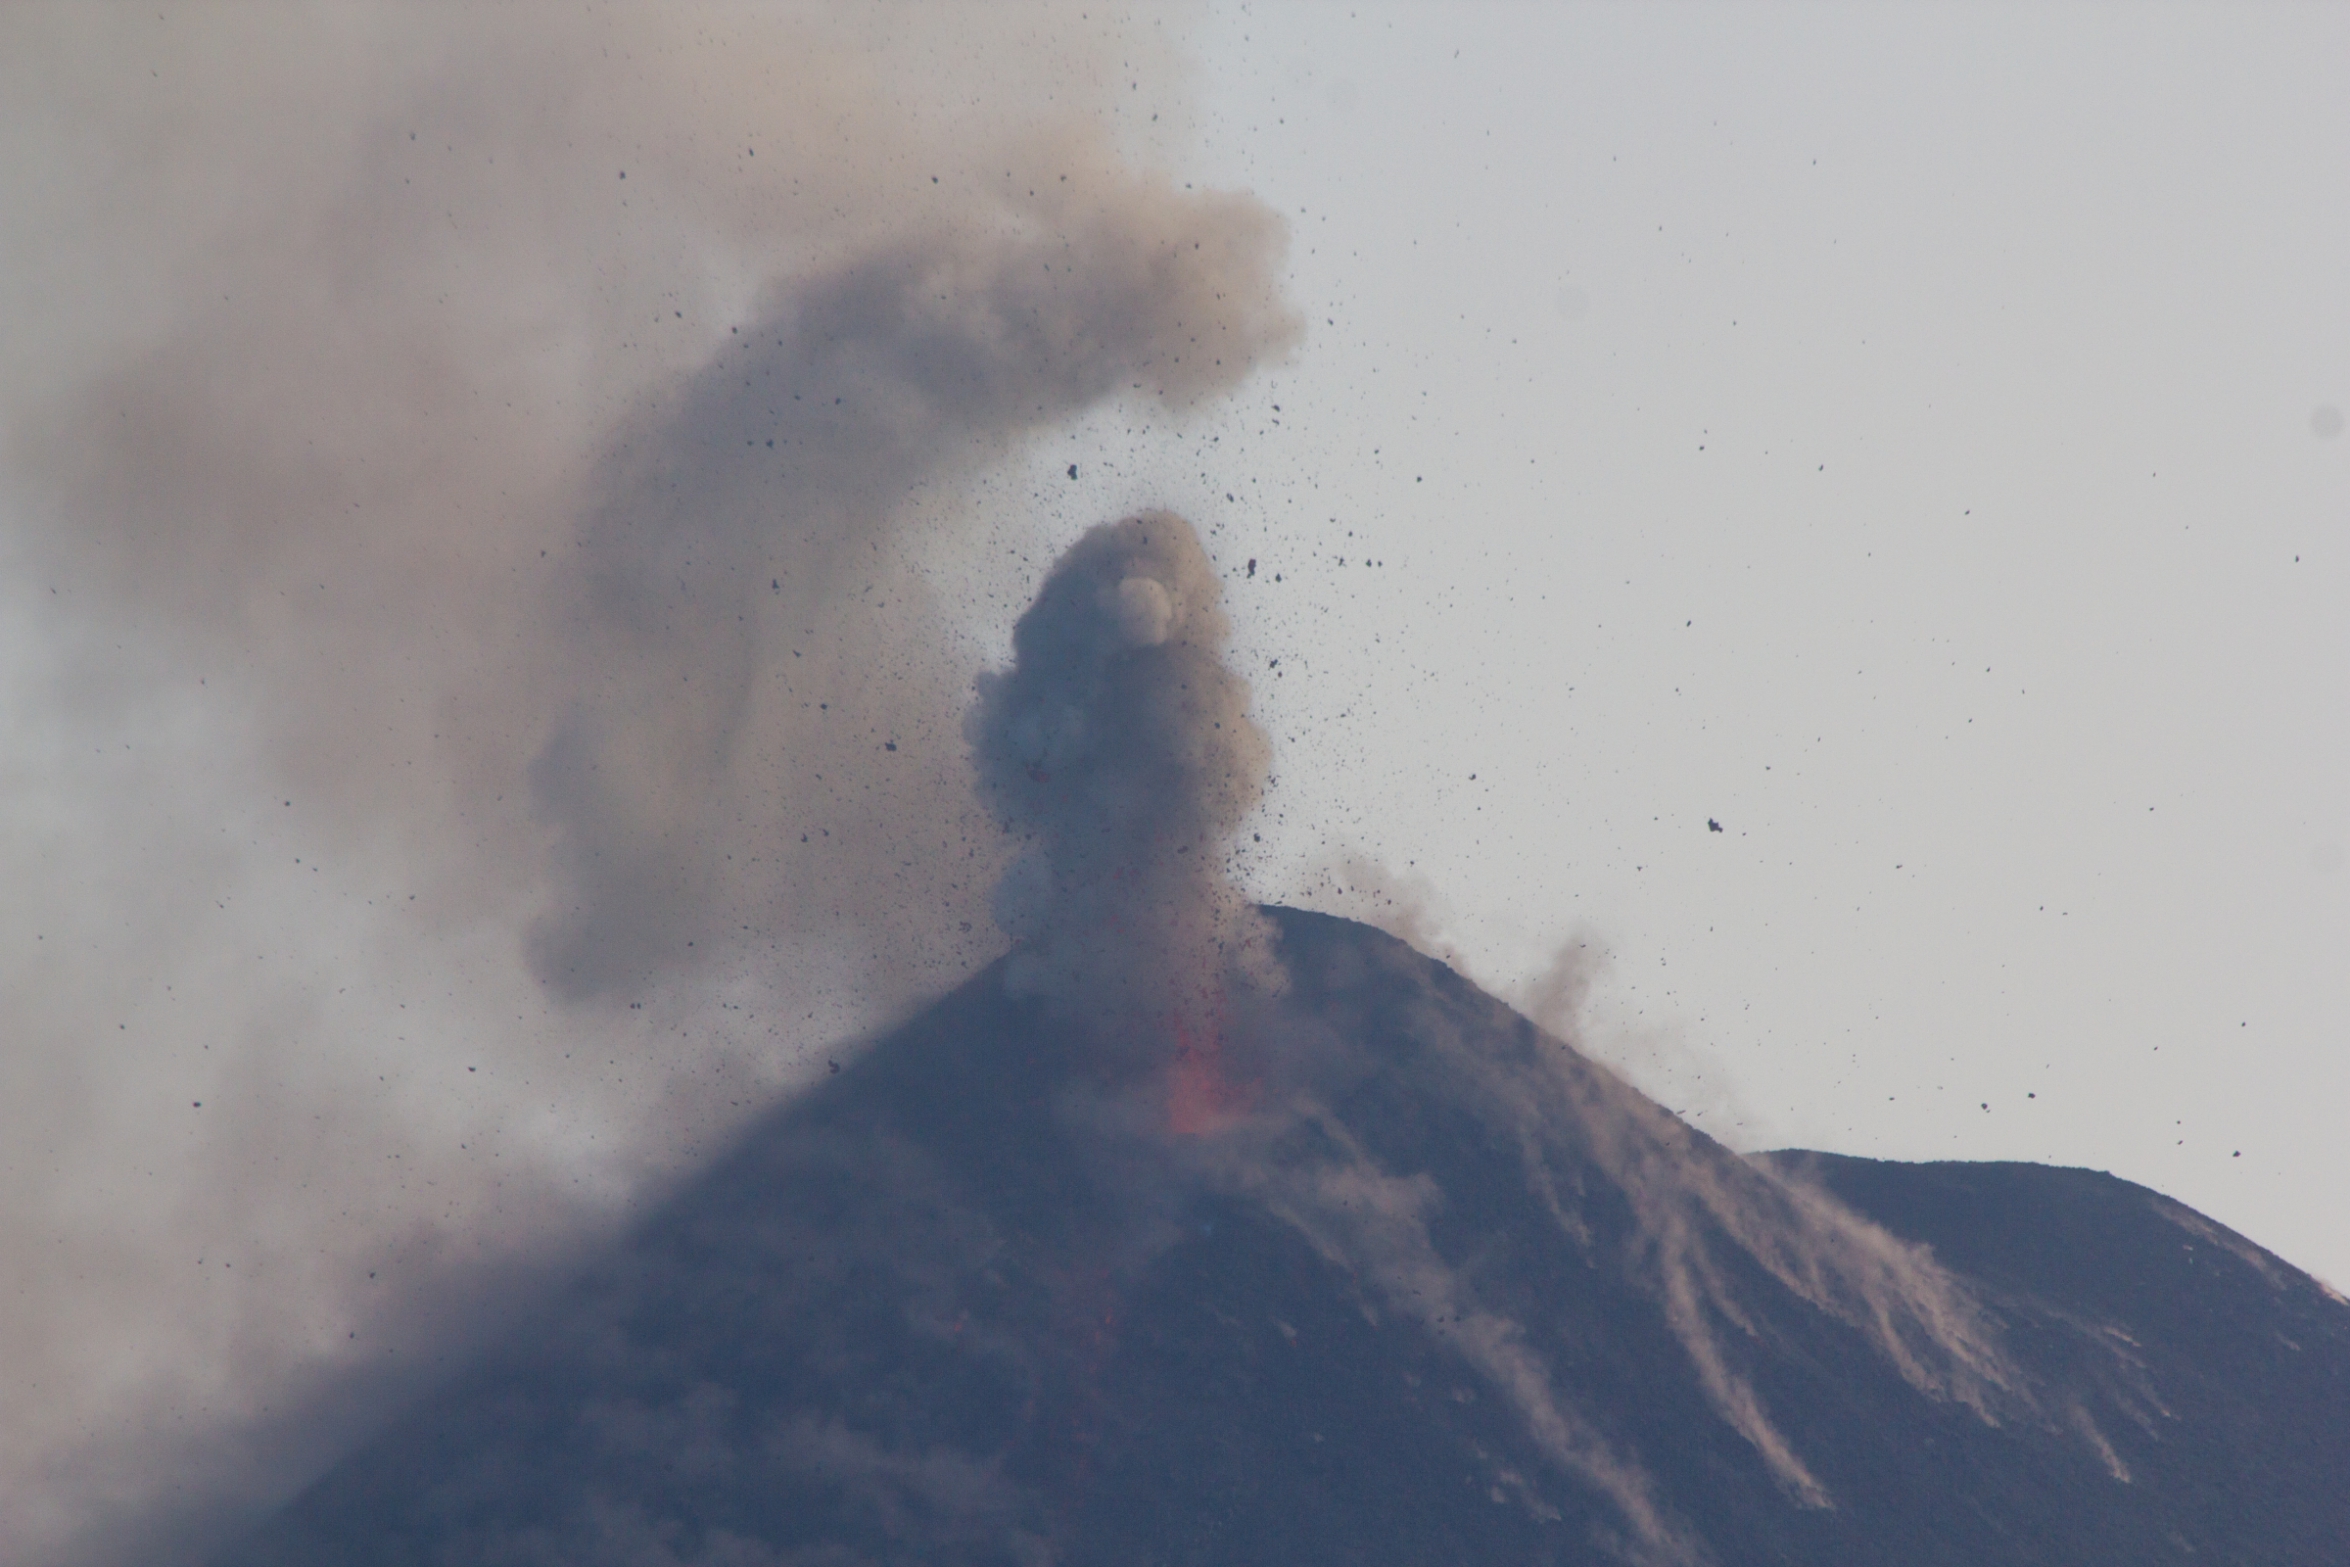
pixel 1389 1275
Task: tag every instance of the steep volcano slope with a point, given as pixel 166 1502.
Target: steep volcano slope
pixel 1435 1289
pixel 2241 1444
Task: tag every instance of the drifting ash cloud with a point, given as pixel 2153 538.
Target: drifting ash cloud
pixel 477 718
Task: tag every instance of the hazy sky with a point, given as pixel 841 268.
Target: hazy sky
pixel 1910 438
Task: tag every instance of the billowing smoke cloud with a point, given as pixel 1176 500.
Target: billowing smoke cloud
pixel 746 527
pixel 479 715
pixel 1119 750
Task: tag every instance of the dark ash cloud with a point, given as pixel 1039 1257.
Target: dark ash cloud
pixel 738 635
pixel 1119 751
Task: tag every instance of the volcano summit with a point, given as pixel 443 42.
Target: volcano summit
pixel 1196 1232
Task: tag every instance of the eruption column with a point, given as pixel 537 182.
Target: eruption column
pixel 1119 750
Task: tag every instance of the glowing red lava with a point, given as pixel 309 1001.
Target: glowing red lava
pixel 1200 1096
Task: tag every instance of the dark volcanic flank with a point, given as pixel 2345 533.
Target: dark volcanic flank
pixel 1197 1232
pixel 949 1310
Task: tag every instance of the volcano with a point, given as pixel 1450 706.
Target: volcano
pixel 1194 1232
pixel 1431 1286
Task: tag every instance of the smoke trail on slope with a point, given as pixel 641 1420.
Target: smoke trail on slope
pixel 1702 1211
pixel 477 720
pixel 1377 1225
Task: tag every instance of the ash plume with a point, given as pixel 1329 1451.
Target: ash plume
pixel 479 719
pixel 1119 751
pixel 733 630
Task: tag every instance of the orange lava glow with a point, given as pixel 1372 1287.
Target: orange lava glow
pixel 1200 1096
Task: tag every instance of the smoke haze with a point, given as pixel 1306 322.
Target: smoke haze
pixel 479 713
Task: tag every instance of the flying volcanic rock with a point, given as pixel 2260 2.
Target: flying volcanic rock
pixel 1194 1232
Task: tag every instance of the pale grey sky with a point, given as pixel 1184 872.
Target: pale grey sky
pixel 1912 438
pixel 1909 436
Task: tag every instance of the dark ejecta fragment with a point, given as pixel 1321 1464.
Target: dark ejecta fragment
pixel 1198 1232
